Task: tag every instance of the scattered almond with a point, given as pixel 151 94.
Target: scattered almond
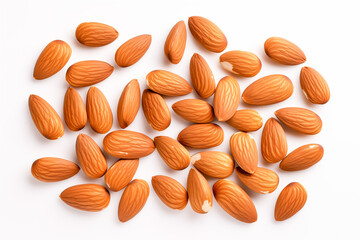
pixel 284 51
pixel 246 120
pixel 74 110
pixel 194 110
pixel 202 77
pixel 243 148
pixel 94 34
pixel 129 103
pixel 121 173
pixel 213 164
pixel 314 86
pixel 302 157
pixel 262 180
pixel 175 43
pixel 245 64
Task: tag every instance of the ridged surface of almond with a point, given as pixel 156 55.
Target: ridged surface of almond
pixel 175 43
pixel 129 103
pixel 244 151
pixel 302 157
pixel 284 51
pixel 94 34
pixel 245 64
pixel 246 120
pixel 202 77
pixel 194 110
pixel 120 174
pixel 213 164
pixel 262 180
pixel 314 86
pixel 74 110
pixel 235 201
pixel 133 50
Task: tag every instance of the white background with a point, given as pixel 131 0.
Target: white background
pixel 328 33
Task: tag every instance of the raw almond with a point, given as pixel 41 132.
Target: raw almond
pixel 94 34
pixel 202 77
pixel 268 90
pixel 74 110
pixel 120 174
pixel 246 120
pixel 302 157
pixel 129 103
pixel 314 86
pixel 156 111
pixel 52 59
pixel 243 148
pixel 245 64
pixel 262 180
pixel 213 164
pixel 45 117
pixel 133 50
pixel 194 110
pixel 175 43
pixel 50 169
pixel 170 192
pixel 273 141
pixel 284 51
pixel 175 155
pixel 234 201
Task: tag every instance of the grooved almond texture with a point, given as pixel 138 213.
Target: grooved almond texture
pixel 175 43
pixel 52 59
pixel 45 117
pixel 214 164
pixel 194 110
pixel 129 104
pixel 50 169
pixel 202 77
pixel 94 34
pixel 74 110
pixel 262 180
pixel 86 73
pixel 314 86
pixel 246 120
pixel 121 173
pixel 300 119
pixel 244 151
pixel 235 201
pixel 284 51
pixel 133 50
pixel 226 98
pixel 268 90
pixel 302 157
pixel 242 63
pixel 170 192
pixel 175 155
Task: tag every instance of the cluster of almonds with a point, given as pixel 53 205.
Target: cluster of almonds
pixel 129 146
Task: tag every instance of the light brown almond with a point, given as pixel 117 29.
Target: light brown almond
pixel 284 51
pixel 302 157
pixel 133 50
pixel 245 64
pixel 213 164
pixel 175 43
pixel 194 110
pixel 202 77
pixel 262 180
pixel 314 86
pixel 74 110
pixel 94 34
pixel 120 174
pixel 129 103
pixel 246 120
pixel 244 151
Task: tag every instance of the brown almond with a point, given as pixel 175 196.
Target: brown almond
pixel 194 110
pixel 302 157
pixel 213 164
pixel 284 51
pixel 243 148
pixel 175 43
pixel 202 77
pixel 94 34
pixel 120 174
pixel 262 180
pixel 246 120
pixel 314 86
pixel 74 110
pixel 133 50
pixel 129 103
pixel 245 64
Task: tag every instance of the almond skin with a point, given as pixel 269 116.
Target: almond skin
pixel 74 110
pixel 167 83
pixel 207 34
pixel 86 197
pixel 291 200
pixel 273 141
pixel 226 98
pixel 129 103
pixel 314 86
pixel 235 201
pixel 262 180
pixel 120 174
pixel 245 64
pixel 45 117
pixel 52 59
pixel 50 169
pixel 94 34
pixel 175 43
pixel 246 120
pixel 175 155
pixel 284 51
pixel 98 111
pixel 128 144
pixel 90 156
pixel 300 119
pixel 133 50
pixel 268 90
pixel 243 148
pixel 302 157
pixel 156 111
pixel 213 164
pixel 200 196
pixel 170 192
pixel 194 110
pixel 86 73
pixel 204 135
pixel 202 77
pixel 133 199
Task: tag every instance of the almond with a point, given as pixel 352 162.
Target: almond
pixel 156 111
pixel 46 119
pixel 314 86
pixel 284 51
pixel 52 59
pixel 86 197
pixel 243 148
pixel 268 90
pixel 200 196
pixel 194 110
pixel 51 169
pixel 170 192
pixel 262 180
pixel 98 111
pixel 133 199
pixel 300 119
pixel 74 110
pixel 90 156
pixel 133 50
pixel 246 120
pixel 202 77
pixel 204 135
pixel 121 173
pixel 291 200
pixel 226 98
pixel 86 73
pixel 213 164
pixel 167 83
pixel 175 43
pixel 175 155
pixel 302 157
pixel 129 103
pixel 207 34
pixel 245 64
pixel 94 34
pixel 128 144
pixel 273 141
pixel 234 201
